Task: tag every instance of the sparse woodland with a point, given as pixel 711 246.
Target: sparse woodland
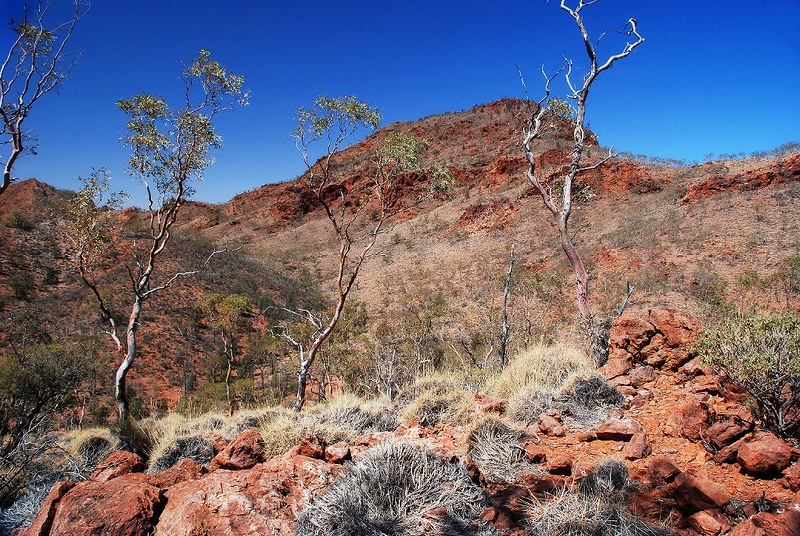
pixel 476 323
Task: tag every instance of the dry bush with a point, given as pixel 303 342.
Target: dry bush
pixel 73 455
pixel 437 398
pixel 439 383
pixel 281 432
pixel 538 376
pixel 497 449
pixel 346 416
pixel 598 508
pixel 431 408
pixel 547 368
pixel 195 447
pixel 588 401
pixel 87 448
pixel 343 418
pixel 390 489
pixel 175 432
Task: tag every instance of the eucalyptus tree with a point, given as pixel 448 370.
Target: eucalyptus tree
pixel 226 315
pixel 358 217
pixel 559 201
pixel 170 150
pixel 36 64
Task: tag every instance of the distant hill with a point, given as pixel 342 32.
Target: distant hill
pixel 682 235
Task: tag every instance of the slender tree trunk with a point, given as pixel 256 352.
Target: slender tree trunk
pixel 229 355
pixel 506 327
pixel 121 394
pixel 305 364
pixel 302 380
pixel 16 150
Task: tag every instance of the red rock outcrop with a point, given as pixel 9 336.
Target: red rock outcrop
pixel 661 340
pixel 780 172
pixel 265 499
pixel 767 524
pixel 128 505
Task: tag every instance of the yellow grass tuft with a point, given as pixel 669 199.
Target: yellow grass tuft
pixel 550 368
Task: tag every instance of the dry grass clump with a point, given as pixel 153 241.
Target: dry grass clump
pixel 598 508
pixel 176 436
pixel 533 380
pixel 88 447
pixel 587 401
pixel 343 418
pixel 281 432
pixel 197 448
pixel 432 408
pixel 438 398
pixel 72 455
pixel 390 489
pixel 497 449
pixel 542 367
pixel 347 416
pixel 438 382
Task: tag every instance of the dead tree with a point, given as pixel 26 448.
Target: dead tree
pixel 561 209
pixel 170 151
pixel 506 328
pixel 357 219
pixel 35 65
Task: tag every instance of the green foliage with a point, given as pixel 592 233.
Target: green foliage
pixel 341 115
pixel 225 312
pixel 36 383
pixel 750 279
pixel 787 277
pixel 172 146
pixel 442 180
pixel 90 225
pixel 560 108
pixel 710 290
pixel 22 285
pixel 32 35
pixel 403 150
pixel 762 354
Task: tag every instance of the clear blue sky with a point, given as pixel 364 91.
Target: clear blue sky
pixel 713 76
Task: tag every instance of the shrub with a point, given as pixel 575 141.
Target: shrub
pixel 389 490
pixel 761 353
pixel 595 391
pixel 135 438
pixel 497 449
pixel 545 368
pixel 533 380
pixel 19 220
pixel 281 432
pixel 589 400
pixel 597 509
pixel 608 481
pixel 432 408
pixel 346 416
pixel 35 384
pixel 87 448
pixel 195 447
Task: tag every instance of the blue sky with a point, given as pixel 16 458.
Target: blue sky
pixel 714 76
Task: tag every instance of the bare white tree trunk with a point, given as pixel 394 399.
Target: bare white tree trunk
pixel 561 209
pixel 504 333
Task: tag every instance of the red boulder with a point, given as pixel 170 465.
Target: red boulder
pixel 764 454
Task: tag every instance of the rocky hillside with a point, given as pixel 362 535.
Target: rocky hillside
pixel 683 236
